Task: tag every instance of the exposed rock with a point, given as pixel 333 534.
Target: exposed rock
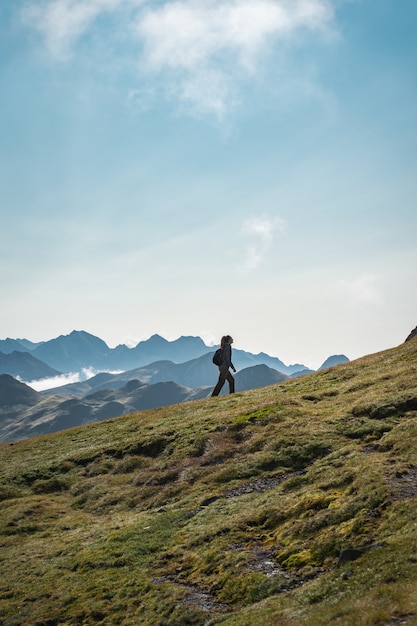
pixel 412 334
pixel 351 554
pixel 404 484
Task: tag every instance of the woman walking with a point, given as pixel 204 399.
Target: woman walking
pixel 226 362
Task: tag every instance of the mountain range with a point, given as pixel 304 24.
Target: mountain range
pixel 82 351
pixel 168 373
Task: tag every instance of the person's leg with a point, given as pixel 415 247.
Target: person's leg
pixel 220 382
pixel 231 382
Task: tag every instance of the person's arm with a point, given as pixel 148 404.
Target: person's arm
pixel 227 354
pixel 230 359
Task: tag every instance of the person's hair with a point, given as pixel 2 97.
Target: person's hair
pixel 225 339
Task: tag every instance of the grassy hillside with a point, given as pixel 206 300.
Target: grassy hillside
pixel 293 505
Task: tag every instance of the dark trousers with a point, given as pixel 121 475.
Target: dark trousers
pixel 223 376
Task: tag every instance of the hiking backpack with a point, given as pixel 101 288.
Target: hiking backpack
pixel 217 356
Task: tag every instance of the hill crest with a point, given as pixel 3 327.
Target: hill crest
pixel 292 504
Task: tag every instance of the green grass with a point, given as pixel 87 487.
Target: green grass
pixel 232 510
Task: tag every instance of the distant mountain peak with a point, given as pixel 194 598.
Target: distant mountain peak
pixel 336 359
pixel 84 335
pixel 155 339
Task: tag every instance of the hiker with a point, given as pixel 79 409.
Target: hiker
pixel 226 362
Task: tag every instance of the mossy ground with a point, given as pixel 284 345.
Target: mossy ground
pixel 235 510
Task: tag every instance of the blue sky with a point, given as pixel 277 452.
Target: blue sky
pixel 189 167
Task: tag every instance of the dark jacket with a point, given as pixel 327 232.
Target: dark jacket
pixel 226 358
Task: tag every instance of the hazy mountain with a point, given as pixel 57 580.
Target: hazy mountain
pixel 243 359
pixel 80 350
pixel 178 351
pixel 302 373
pixel 336 359
pixel 19 345
pixel 24 365
pixel 257 376
pixel 73 352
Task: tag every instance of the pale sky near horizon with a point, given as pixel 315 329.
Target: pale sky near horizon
pixel 189 167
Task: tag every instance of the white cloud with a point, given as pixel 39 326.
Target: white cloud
pixel 260 231
pixel 188 34
pixel 196 52
pixel 130 342
pixel 209 338
pixel 204 50
pixel 263 227
pixel 66 379
pixel 62 22
pixel 55 381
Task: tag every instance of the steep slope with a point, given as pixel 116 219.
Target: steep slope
pixel 292 505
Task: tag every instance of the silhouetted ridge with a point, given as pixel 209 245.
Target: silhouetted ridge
pixel 13 392
pixel 412 334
